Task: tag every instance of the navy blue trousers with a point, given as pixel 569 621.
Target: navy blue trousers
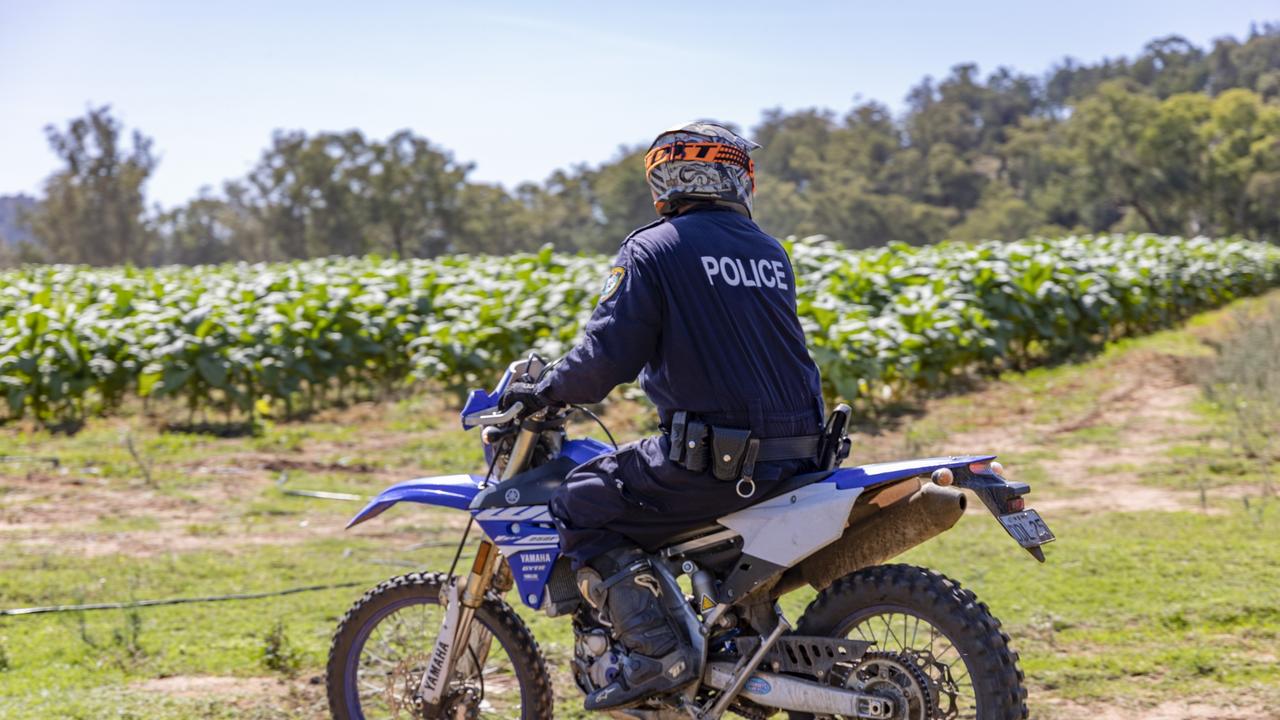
pixel 635 496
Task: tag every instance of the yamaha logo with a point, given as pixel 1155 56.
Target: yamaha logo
pixel 512 496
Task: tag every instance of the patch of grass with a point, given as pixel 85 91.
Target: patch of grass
pixel 273 503
pixel 449 451
pixel 421 412
pixel 1213 460
pixel 1201 466
pixel 288 438
pixel 278 652
pixel 205 530
pixel 125 524
pixel 1107 436
pixel 921 438
pixel 1114 469
pixel 52 662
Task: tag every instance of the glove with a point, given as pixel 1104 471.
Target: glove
pixel 525 393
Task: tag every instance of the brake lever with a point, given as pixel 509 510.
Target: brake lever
pixel 497 418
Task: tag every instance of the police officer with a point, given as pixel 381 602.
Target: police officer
pixel 701 305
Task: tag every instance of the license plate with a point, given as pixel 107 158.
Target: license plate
pixel 1027 528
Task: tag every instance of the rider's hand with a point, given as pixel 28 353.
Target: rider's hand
pixel 525 393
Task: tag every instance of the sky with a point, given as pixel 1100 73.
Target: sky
pixel 518 88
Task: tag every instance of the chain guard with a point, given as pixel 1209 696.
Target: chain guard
pixel 814 656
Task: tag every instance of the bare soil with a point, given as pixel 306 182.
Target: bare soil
pixel 1145 410
pixel 1225 708
pixel 93 516
pixel 250 696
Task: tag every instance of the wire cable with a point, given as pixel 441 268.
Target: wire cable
pixel 488 475
pixel 177 601
pixel 599 422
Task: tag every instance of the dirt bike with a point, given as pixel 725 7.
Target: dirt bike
pixel 889 642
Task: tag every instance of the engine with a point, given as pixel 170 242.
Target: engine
pixel 597 659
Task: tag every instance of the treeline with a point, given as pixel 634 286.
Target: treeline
pixel 1179 140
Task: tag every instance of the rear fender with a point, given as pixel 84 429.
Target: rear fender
pixel 877 473
pixel 451 491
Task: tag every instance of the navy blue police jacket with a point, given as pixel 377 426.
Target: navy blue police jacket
pixel 702 308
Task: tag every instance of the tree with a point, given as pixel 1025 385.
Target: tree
pixel 311 193
pixel 415 193
pixel 1242 138
pixel 622 196
pixel 207 230
pixel 94 208
pixel 562 212
pixel 1105 131
pixel 492 221
pixel 1172 149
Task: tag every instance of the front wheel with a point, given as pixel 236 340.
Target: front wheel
pixel 380 649
pixel 939 652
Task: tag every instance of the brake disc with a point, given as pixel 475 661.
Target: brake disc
pixel 402 684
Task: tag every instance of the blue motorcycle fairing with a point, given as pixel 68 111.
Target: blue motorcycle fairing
pixel 585 449
pixel 452 491
pixel 528 540
pixel 876 473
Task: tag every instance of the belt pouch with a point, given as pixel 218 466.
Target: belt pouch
pixel 728 446
pixel 695 446
pixel 679 421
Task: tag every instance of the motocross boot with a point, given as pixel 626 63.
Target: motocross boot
pixel 659 658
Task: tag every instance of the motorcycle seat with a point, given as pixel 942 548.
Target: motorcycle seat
pixel 793 483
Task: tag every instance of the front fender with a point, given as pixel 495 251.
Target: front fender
pixel 452 491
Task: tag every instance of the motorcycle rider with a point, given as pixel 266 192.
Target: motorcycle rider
pixel 701 304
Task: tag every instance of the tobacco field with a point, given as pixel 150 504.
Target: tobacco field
pixel 243 339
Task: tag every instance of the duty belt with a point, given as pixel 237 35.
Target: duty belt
pixel 732 453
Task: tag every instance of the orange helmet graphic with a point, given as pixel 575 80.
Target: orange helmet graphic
pixel 700 162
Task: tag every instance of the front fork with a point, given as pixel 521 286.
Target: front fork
pixel 461 601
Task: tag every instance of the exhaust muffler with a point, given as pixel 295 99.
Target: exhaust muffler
pixel 791 693
pixel 891 522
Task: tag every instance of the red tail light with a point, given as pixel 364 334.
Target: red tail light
pixel 1015 505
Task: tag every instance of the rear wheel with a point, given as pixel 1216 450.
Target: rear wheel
pixel 380 649
pixel 939 652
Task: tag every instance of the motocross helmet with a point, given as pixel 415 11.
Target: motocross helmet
pixel 700 162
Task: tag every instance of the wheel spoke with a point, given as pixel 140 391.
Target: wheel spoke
pixel 888 628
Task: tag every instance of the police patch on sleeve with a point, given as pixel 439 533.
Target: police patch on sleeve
pixel 612 283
